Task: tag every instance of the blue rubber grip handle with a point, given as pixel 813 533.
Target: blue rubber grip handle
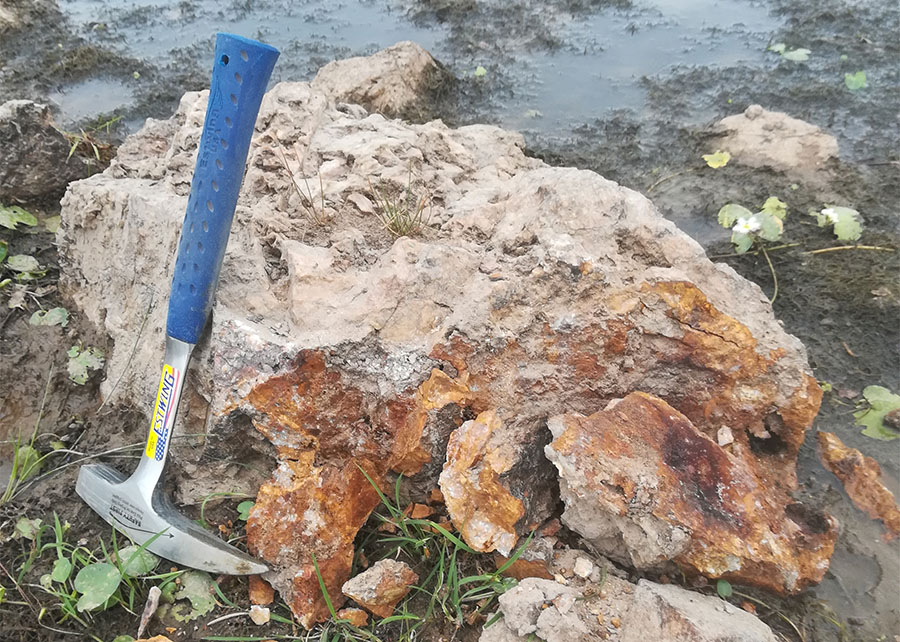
pixel 240 74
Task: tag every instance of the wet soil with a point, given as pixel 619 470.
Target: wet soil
pixel 624 88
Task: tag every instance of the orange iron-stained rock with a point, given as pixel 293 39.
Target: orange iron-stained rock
pixel 482 509
pixel 356 617
pixel 261 592
pixel 861 477
pixel 381 587
pixel 645 486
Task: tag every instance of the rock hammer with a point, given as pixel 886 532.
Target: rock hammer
pixel 136 505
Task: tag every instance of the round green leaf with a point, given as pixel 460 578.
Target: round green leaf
pixel 197 587
pixel 730 213
pixel 23 263
pixel 96 582
pixel 136 562
pixel 723 588
pixel 61 570
pixel 771 226
pixel 243 510
pixel 53 316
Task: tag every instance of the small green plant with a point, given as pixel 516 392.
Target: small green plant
pixel 748 228
pixel 846 222
pixel 881 418
pixel 315 212
pixel 401 213
pixel 794 55
pixel 53 316
pixel 723 588
pixel 88 143
pixel 717 159
pixel 82 361
pixel 855 81
pixel 12 215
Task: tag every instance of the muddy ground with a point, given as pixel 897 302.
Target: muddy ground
pixel 844 305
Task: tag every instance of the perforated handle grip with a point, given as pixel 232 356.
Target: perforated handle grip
pixel 240 73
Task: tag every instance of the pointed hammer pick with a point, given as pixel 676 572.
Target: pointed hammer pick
pixel 136 505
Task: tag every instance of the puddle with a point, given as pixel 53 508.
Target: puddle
pixel 90 98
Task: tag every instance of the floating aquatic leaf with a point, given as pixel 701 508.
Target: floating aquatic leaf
pixel 533 113
pixel 96 582
pixel 480 71
pixel 797 55
pixel 778 48
pixel 742 242
pixel 53 316
pixel 881 402
pixel 197 587
pixel 846 221
pixel 855 81
pixel 82 361
pixel 12 215
pixel 718 159
pixel 136 561
pixel 243 510
pixel 775 206
pixel 730 213
pixel 23 263
pixel 62 568
pixel 770 227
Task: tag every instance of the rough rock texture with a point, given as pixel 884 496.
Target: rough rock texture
pixel 620 612
pixel 761 138
pixel 861 477
pixel 35 163
pixel 17 14
pixel 645 486
pixel 533 291
pixel 379 588
pixel 356 617
pixel 393 82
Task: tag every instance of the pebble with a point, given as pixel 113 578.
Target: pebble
pixel 583 567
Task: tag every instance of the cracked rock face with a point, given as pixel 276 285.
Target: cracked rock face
pixel 645 486
pixel 381 587
pixel 349 356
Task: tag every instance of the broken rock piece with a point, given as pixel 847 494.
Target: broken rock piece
pixel 645 486
pixel 381 587
pixel 482 509
pixel 356 617
pixel 861 477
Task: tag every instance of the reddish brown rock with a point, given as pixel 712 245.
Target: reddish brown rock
pixel 645 486
pixel 260 591
pixel 861 477
pixel 381 587
pixel 482 509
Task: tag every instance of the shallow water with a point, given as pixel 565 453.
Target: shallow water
pixel 616 86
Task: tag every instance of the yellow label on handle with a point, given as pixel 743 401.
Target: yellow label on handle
pixel 163 411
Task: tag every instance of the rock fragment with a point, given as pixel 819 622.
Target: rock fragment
pixel 645 486
pixel 356 617
pixel 35 165
pixel 482 509
pixel 379 588
pixel 861 477
pixel 761 138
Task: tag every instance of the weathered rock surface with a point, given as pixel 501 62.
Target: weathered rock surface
pixel 533 291
pixel 761 138
pixel 379 588
pixel 17 14
pixel 620 612
pixel 646 486
pixel 392 82
pixel 35 163
pixel 861 477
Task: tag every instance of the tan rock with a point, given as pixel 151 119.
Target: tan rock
pixel 761 138
pixel 260 591
pixel 861 477
pixel 381 587
pixel 645 486
pixel 391 82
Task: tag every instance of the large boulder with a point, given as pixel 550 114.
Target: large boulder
pixel 351 355
pixel 36 164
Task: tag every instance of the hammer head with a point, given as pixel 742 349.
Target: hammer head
pixel 126 505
